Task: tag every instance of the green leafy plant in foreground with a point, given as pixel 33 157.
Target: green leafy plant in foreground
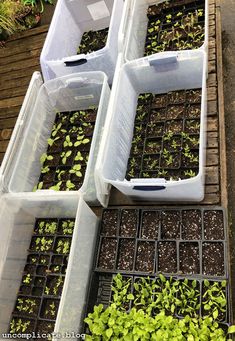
pixel 114 324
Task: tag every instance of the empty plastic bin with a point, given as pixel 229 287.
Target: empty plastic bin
pixel 71 19
pixel 17 217
pixel 165 73
pixel 138 24
pixel 21 169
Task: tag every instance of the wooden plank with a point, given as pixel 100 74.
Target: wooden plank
pixel 212 157
pixel 1 157
pixel 3 146
pixel 15 58
pixel 15 92
pixel 212 124
pixel 10 112
pixel 13 83
pixel 8 123
pixel 212 189
pixel 20 65
pixel 211 66
pixel 211 199
pixel 212 175
pixel 11 102
pixel 31 44
pixel 28 33
pixel 212 93
pixel 212 80
pixel 18 74
pixel 212 54
pixel 212 107
pixel 5 134
pixel 222 140
pixel 212 142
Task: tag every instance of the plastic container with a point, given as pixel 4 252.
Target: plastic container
pixel 17 216
pixel 78 91
pixel 71 19
pixel 137 28
pixel 163 73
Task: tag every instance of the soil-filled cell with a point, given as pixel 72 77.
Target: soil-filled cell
pixel 145 257
pixel 107 253
pixel 150 224
pixel 189 258
pixel 126 254
pixel 213 259
pixel 49 309
pixel 109 223
pixel 213 225
pixel 170 227
pixel 129 223
pixel 191 224
pixel 167 257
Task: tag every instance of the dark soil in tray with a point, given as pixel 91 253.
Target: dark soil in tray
pixel 129 223
pixel 107 254
pixel 170 226
pixel 189 258
pixel 49 308
pixel 109 223
pixel 93 40
pixel 126 254
pixel 213 225
pixel 169 146
pixel 175 28
pixel 150 225
pixel 64 163
pixel 45 327
pixel 213 259
pixel 191 224
pixel 167 257
pixel 145 256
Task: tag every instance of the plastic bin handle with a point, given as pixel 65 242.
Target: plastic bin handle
pixel 75 60
pixel 164 63
pixel 148 188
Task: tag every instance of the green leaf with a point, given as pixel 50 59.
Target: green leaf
pixel 231 329
pixel 109 332
pixel 130 297
pixel 215 314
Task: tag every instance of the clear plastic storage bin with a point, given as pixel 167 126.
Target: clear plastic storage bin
pixel 161 74
pixel 71 19
pixel 17 217
pixel 137 29
pixel 21 166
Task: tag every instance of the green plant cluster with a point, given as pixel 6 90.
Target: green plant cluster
pixel 163 150
pixel 63 165
pixel 93 40
pixel 153 304
pixel 181 31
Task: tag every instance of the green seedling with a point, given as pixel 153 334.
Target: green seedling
pixel 69 185
pixel 56 187
pixel 214 299
pixel 44 157
pixel 44 244
pixel 26 305
pixel 18 326
pixel 67 142
pixel 60 174
pixel 51 141
pixel 28 279
pixel 76 169
pixel 78 157
pixel 81 139
pixel 48 228
pixel 65 156
pixel 56 129
pixel 190 173
pixel 63 247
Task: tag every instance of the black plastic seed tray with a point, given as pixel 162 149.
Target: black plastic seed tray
pixel 101 293
pixel 43 277
pixel 67 148
pixel 176 241
pixel 165 143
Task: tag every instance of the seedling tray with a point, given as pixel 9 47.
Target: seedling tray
pixel 179 241
pixel 100 292
pixel 157 26
pixel 175 27
pixel 43 277
pixel 64 164
pixel 166 134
